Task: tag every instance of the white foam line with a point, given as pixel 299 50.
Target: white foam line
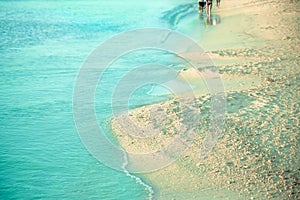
pixel 137 179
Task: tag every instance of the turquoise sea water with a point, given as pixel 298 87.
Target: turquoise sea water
pixel 42 46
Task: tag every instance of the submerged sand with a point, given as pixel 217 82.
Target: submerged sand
pixel 257 154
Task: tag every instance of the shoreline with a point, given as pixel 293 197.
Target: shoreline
pixel 253 158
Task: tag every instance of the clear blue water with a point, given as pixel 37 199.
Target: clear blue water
pixel 42 46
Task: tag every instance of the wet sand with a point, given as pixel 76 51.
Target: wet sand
pixel 257 154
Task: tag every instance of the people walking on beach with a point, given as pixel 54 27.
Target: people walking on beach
pixel 208 4
pixel 201 5
pixel 208 7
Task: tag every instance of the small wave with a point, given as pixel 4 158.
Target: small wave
pixel 151 90
pixel 176 14
pixel 157 90
pixel 137 179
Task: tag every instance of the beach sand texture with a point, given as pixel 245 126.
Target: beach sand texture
pixel 256 51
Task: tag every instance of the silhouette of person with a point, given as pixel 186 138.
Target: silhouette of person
pixel 201 5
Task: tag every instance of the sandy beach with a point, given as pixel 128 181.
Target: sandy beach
pixel 255 49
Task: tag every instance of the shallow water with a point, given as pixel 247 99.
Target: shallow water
pixel 42 46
